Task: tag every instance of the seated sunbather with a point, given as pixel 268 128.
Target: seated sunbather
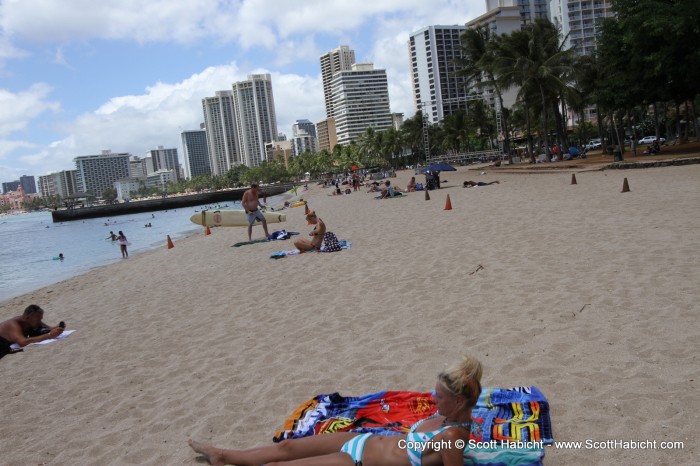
pixel 316 234
pixel 437 440
pixel 411 185
pixel 471 184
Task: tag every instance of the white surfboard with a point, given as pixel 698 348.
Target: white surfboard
pixel 232 218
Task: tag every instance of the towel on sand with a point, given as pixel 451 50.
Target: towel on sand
pixel 519 414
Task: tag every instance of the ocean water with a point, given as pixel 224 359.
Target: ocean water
pixel 29 243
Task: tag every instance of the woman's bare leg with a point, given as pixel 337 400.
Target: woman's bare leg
pixel 287 450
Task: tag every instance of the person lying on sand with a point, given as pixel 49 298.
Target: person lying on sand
pixel 25 329
pixel 456 393
pixel 471 184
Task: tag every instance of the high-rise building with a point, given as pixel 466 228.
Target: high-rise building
pixel 220 127
pixel 580 21
pixel 254 113
pixel 304 137
pixel 95 173
pixel 61 184
pixel 304 125
pixel 397 120
pixel 501 17
pixel 438 89
pixel 137 167
pixel 360 101
pixel 10 186
pixel 164 159
pixel 195 152
pixel 327 138
pixel 28 184
pixel 339 59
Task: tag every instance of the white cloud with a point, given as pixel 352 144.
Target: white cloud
pixel 7 146
pixel 18 109
pixel 138 123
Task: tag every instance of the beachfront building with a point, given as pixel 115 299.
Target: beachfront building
pixel 127 187
pixel 327 138
pixel 95 173
pixel 304 125
pixel 160 179
pixel 438 89
pixel 580 21
pixel 279 150
pixel 61 184
pixel 360 101
pixel 255 118
pixel 162 159
pixel 28 184
pixel 195 152
pixel 339 59
pixel 15 199
pixel 397 120
pixel 10 186
pixel 304 137
pixel 137 167
pixel 303 142
pixel 220 128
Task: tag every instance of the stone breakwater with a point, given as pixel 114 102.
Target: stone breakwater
pixel 152 205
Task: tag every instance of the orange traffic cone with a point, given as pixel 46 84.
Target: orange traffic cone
pixel 625 186
pixel 448 204
pixel 170 243
pixel 573 178
pixel 427 196
pixel 207 232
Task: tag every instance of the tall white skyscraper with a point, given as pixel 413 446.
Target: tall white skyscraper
pixel 580 20
pixel 339 59
pixel 220 127
pixel 437 88
pixel 360 101
pixel 254 113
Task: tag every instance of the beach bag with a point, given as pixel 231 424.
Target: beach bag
pixel 330 242
pixel 419 186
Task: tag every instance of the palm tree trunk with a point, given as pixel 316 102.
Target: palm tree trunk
pixel 529 133
pixel 695 121
pixel 546 124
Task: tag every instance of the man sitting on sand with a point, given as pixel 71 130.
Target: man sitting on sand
pixel 471 184
pixel 25 329
pixel 316 234
pixel 411 185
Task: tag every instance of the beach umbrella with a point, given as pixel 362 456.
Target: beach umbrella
pixel 439 167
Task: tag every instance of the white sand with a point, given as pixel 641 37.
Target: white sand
pixel 589 294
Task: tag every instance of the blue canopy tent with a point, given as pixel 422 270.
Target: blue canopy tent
pixel 432 174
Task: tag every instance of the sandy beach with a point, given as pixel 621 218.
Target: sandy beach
pixel 588 293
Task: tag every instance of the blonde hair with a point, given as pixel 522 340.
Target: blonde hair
pixel 463 378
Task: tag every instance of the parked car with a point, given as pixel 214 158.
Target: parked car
pixel 593 144
pixel 650 140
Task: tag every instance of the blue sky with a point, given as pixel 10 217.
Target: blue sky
pixel 80 76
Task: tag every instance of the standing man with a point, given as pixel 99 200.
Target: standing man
pixel 251 202
pixel 25 329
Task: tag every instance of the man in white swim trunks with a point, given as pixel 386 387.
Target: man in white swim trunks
pixel 250 203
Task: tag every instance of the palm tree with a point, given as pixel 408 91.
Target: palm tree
pixel 535 60
pixel 479 66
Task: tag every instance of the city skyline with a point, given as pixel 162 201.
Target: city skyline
pixel 130 77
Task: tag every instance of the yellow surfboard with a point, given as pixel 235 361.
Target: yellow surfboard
pixel 231 218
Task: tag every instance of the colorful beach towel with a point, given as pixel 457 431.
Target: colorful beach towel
pixel 511 425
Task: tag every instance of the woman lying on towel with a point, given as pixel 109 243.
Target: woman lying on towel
pixel 456 393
